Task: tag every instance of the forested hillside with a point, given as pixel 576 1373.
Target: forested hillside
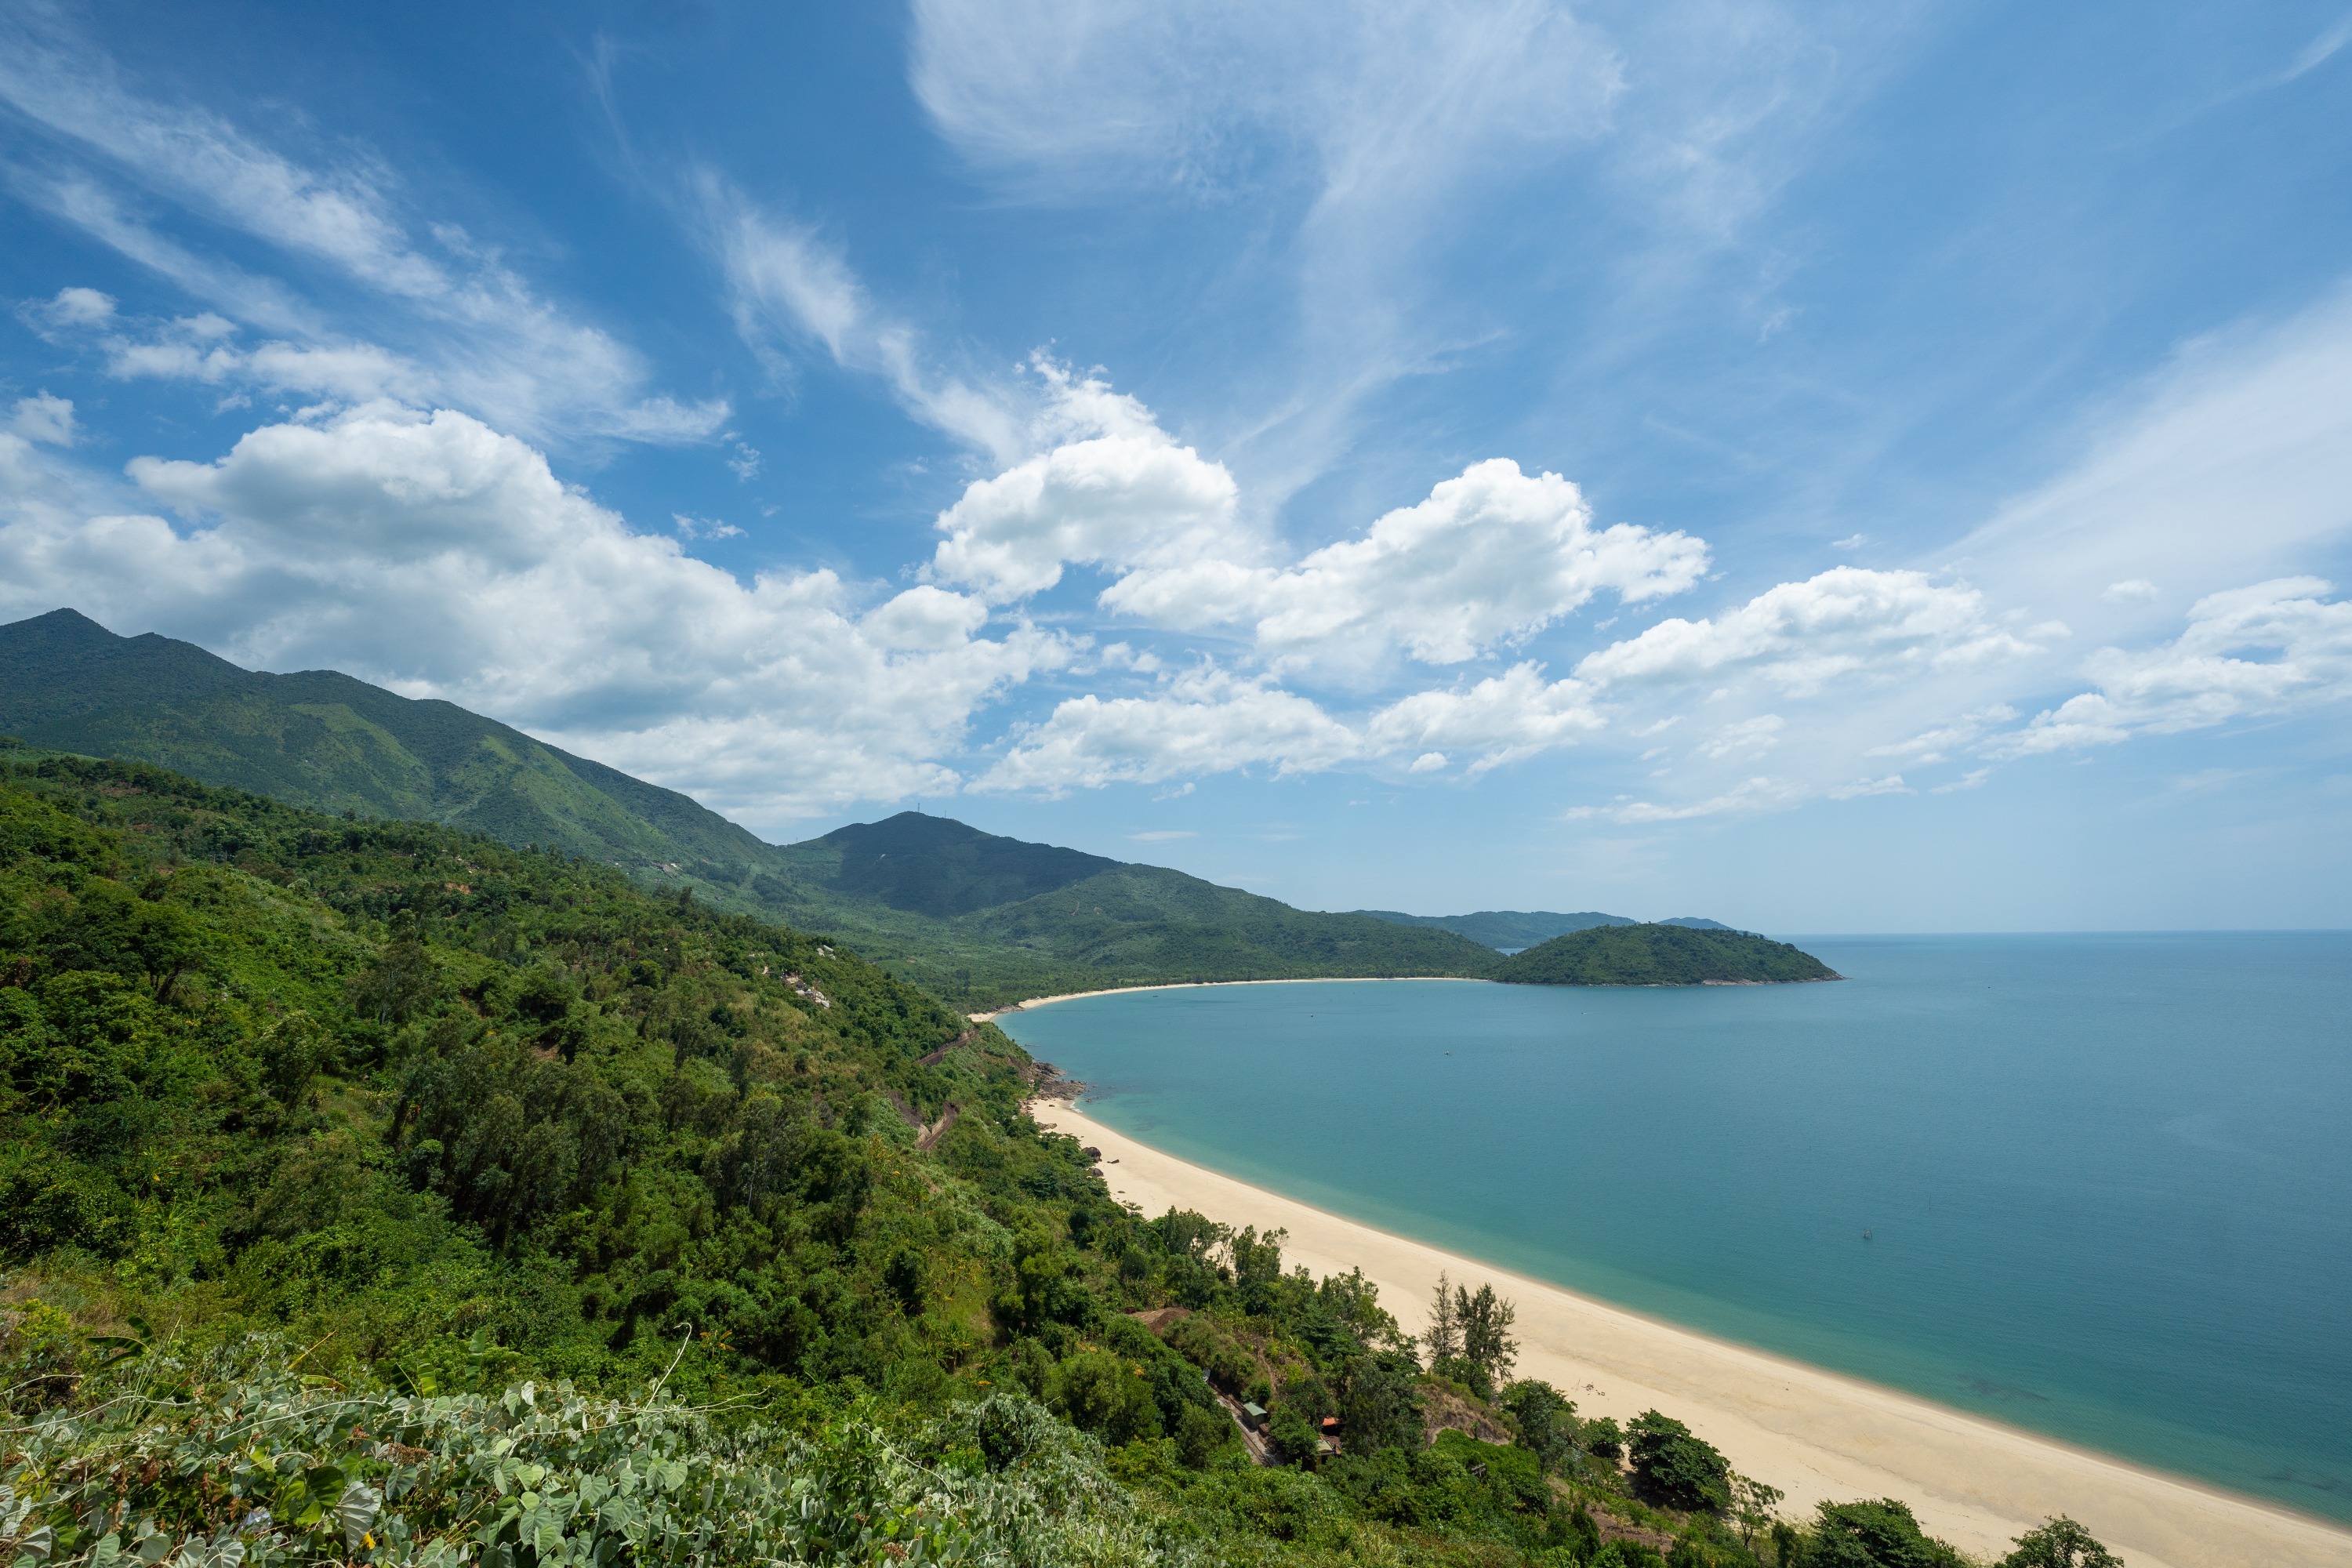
pixel 1661 954
pixel 374 1191
pixel 987 919
pixel 1508 930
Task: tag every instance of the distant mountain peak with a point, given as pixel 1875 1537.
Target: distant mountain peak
pixel 940 867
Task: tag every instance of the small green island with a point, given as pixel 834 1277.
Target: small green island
pixel 1661 955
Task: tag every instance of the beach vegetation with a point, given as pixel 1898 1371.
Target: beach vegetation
pixel 1880 1533
pixel 1673 1469
pixel 2060 1543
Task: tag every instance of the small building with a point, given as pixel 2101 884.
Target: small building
pixel 1253 1416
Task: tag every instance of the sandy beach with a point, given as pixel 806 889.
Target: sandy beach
pixel 1211 984
pixel 1811 1433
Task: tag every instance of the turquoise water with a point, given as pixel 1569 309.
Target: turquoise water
pixel 2107 1179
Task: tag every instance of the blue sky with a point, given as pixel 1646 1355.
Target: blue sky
pixel 1846 467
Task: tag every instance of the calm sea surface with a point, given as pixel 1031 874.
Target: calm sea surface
pixel 2107 1179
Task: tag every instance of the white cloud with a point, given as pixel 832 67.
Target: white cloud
pixel 1760 733
pixel 2135 589
pixel 1800 636
pixel 1488 559
pixel 1973 779
pixel 1891 785
pixel 1126 496
pixel 44 418
pixel 70 307
pixel 1933 746
pixel 1502 719
pixel 1757 793
pixel 787 284
pixel 686 527
pixel 437 556
pixel 2200 679
pixel 487 341
pixel 1207 721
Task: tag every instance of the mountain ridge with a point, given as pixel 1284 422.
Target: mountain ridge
pixel 967 914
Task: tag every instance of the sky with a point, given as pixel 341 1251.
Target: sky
pixel 1842 468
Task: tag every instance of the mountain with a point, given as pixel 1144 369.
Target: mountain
pixel 328 743
pixel 1661 954
pixel 1693 922
pixel 1508 930
pixel 974 916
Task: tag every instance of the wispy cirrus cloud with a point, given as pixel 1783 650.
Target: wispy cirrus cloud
pixel 473 332
pixel 787 285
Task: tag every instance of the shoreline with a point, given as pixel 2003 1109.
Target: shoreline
pixel 1025 1005
pixel 1815 1433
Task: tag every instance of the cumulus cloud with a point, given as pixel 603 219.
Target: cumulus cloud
pixel 1502 719
pixel 46 419
pixel 1800 636
pixel 1207 721
pixel 1489 558
pixel 70 307
pixel 442 558
pixel 2204 677
pixel 1124 495
pixel 1211 719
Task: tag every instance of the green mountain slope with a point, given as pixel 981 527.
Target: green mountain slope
pixel 988 920
pixel 1508 930
pixel 327 741
pixel 1661 955
pixel 972 916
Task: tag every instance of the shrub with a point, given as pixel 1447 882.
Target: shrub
pixel 1674 1469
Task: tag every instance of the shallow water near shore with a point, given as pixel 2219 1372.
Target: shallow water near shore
pixel 2106 1181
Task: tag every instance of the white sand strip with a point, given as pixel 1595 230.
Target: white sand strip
pixel 1811 1433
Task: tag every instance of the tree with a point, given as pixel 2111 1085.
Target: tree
pixel 1486 1320
pixel 1876 1534
pixel 1381 1408
pixel 398 986
pixel 1676 1469
pixel 1752 1506
pixel 1443 1338
pixel 1547 1420
pixel 1201 1435
pixel 2060 1543
pixel 1294 1435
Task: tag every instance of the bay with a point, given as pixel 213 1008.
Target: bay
pixel 2106 1181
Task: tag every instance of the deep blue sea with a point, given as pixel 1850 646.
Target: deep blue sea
pixel 2107 1180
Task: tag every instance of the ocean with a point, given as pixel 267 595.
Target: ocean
pixel 2095 1186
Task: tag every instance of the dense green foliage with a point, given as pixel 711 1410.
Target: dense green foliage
pixel 374 1191
pixel 1506 929
pixel 1660 956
